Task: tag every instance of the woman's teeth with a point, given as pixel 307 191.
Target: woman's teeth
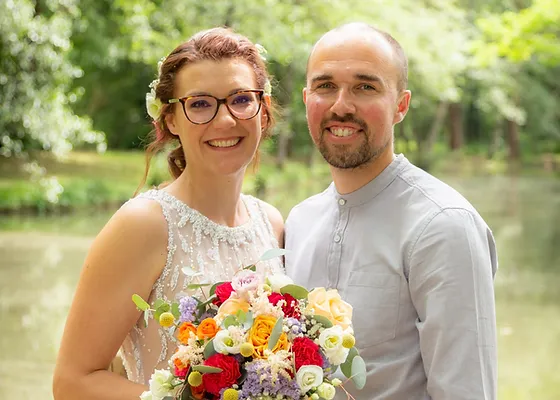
pixel 224 143
pixel 342 132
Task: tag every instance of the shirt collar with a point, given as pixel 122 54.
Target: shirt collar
pixel 372 188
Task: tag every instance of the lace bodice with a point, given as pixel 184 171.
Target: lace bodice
pixel 214 251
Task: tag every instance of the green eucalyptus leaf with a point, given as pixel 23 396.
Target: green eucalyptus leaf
pixel 205 369
pixel 175 310
pixel 359 372
pixel 195 286
pixel 323 320
pixel 299 292
pixel 140 303
pixel 161 309
pixel 273 253
pixel 158 303
pixel 229 321
pixel 209 349
pixel 146 317
pixel 346 366
pixel 251 267
pixel 275 334
pixel 241 316
pixel 248 320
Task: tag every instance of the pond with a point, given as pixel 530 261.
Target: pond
pixel 41 258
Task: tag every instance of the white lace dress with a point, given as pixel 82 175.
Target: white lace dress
pixel 214 251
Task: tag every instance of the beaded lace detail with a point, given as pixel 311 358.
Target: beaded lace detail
pixel 213 251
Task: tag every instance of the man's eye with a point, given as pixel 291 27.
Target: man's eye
pixel 326 85
pixel 365 86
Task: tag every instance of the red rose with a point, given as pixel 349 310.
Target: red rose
pixel 223 292
pixel 290 308
pixel 306 352
pixel 213 383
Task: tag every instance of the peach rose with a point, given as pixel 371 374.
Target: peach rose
pixel 231 306
pixel 207 329
pixel 329 304
pixel 260 333
pixel 184 332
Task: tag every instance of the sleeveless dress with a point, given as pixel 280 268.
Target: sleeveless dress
pixel 214 251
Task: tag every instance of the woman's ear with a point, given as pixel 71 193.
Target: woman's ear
pixel 265 122
pixel 171 125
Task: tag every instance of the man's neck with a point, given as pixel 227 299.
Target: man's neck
pixel 349 180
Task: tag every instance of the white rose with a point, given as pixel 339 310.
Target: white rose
pixel 308 377
pixel 224 343
pixel 161 384
pixel 330 341
pixel 146 396
pixel 326 391
pixel 153 105
pixel 278 281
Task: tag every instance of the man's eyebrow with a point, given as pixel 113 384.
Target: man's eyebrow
pixel 368 78
pixel 321 78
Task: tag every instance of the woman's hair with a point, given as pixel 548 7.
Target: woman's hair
pixel 213 44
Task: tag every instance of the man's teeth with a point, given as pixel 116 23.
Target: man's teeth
pixel 224 143
pixel 342 132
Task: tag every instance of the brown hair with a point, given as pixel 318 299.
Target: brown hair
pixel 213 44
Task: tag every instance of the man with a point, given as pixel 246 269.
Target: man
pixel 409 253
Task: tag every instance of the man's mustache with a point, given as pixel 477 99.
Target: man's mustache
pixel 345 118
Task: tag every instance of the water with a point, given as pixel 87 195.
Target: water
pixel 41 258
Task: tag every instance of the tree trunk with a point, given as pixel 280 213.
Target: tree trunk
pixel 425 146
pixel 456 126
pixel 285 132
pixel 512 138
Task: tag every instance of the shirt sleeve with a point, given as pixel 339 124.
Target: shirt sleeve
pixel 451 271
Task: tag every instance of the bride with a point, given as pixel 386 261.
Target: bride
pixel 212 95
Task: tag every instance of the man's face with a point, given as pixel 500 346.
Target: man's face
pixel 352 100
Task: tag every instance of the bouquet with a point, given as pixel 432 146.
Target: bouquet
pixel 255 338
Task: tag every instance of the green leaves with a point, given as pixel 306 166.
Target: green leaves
pixel 205 369
pixel 275 334
pixel 346 366
pixel 323 321
pixel 272 253
pixel 140 303
pixel 297 291
pixel 359 372
pixel 209 349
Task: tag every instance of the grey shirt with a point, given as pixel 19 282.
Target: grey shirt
pixel 417 263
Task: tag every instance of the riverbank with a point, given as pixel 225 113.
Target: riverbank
pixel 91 180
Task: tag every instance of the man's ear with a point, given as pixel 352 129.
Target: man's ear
pixel 402 106
pixel 304 95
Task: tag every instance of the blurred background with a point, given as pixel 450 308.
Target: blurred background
pixel 485 118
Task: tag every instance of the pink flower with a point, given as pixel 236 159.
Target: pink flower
pixel 245 281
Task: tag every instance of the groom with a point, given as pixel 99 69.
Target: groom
pixel 409 253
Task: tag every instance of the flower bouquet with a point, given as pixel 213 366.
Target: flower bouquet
pixel 255 338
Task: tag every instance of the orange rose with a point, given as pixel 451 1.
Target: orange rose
pixel 231 306
pixel 184 332
pixel 207 329
pixel 260 333
pixel 198 392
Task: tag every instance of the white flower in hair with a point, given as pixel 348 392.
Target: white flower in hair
pixel 262 51
pixel 267 88
pixel 153 105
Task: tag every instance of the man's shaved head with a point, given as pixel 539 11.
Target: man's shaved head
pixel 359 29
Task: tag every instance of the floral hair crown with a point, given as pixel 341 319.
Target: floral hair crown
pixel 154 105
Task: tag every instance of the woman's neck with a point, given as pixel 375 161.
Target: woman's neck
pixel 215 196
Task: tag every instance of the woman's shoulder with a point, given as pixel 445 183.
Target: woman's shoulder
pixel 274 216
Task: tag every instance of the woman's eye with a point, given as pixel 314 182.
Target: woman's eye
pixel 241 99
pixel 199 104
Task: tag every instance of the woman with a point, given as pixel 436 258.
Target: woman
pixel 213 101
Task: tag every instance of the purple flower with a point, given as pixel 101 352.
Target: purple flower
pixel 187 307
pixel 256 385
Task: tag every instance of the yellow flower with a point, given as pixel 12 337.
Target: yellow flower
pixel 329 304
pixel 260 333
pixel 166 319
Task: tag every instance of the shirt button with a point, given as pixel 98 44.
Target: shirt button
pixel 341 202
pixel 337 238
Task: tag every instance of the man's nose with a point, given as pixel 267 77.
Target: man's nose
pixel 343 103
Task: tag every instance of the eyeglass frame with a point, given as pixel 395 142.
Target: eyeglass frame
pixel 221 101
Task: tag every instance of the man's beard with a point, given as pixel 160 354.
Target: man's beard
pixel 341 156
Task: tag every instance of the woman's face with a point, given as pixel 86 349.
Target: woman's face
pixel 225 145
